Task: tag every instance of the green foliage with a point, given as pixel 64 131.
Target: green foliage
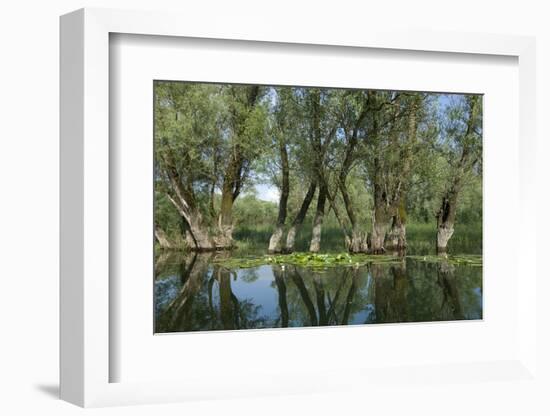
pixel 462 260
pixel 250 210
pixel 325 261
pixel 168 219
pixel 211 134
pixel 310 260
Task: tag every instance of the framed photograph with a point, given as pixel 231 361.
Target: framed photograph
pixel 291 212
pixel 233 161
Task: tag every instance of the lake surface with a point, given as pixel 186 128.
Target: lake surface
pixel 193 293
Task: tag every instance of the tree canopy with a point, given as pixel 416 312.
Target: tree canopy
pixel 364 162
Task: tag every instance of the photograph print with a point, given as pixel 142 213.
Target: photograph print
pixel 292 206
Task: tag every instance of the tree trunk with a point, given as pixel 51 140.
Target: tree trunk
pixel 450 292
pixel 397 237
pixel 444 233
pixel 320 297
pixel 227 306
pixel 400 291
pixel 225 219
pixel 299 220
pixel 281 289
pixel 315 244
pixel 446 216
pixel 162 238
pixel 447 212
pixel 357 241
pixel 379 231
pixel 197 236
pixel 349 297
pixel 275 242
pixel 380 226
pixel 178 316
pixel 299 282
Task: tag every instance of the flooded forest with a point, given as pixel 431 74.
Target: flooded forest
pixel 301 206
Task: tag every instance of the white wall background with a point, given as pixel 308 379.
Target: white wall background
pixel 29 206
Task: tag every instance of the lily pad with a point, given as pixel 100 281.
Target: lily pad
pixel 317 261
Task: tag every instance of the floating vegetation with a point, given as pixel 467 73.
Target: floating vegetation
pixel 324 261
pixel 317 261
pixel 474 260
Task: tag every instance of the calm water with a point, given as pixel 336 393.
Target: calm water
pixel 193 294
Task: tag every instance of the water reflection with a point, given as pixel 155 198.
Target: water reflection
pixel 194 294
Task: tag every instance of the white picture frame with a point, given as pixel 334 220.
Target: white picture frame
pixel 85 220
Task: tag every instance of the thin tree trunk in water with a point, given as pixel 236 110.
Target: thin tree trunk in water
pixel 396 239
pixel 299 220
pixel 400 290
pixel 357 242
pixel 275 242
pixel 341 222
pixel 451 297
pixel 197 235
pixel 281 289
pixel 320 297
pixel 211 206
pixel 315 245
pixel 177 316
pixel 446 216
pixel 447 212
pixel 162 238
pixel 182 197
pixel 211 303
pixel 333 303
pixel 349 297
pixel 225 220
pixel 382 212
pixel 299 282
pixel 227 312
pixel 319 155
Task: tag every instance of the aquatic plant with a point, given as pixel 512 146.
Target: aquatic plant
pixel 323 261
pixel 464 259
pixel 311 260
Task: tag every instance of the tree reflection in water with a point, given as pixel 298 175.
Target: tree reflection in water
pixel 194 294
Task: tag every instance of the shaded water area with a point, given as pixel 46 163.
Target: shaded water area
pixel 195 292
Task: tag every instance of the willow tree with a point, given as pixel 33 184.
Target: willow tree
pixel 314 129
pixel 283 119
pixel 392 130
pixel 300 216
pixel 321 127
pixel 462 145
pixel 244 137
pixel 206 138
pixel 353 109
pixel 409 149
